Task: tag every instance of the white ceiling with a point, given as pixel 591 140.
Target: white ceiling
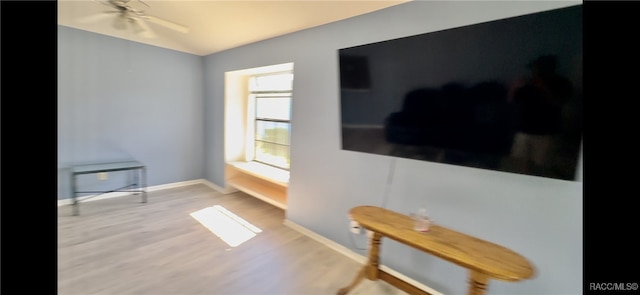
pixel 216 25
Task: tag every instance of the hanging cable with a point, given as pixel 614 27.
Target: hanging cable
pixel 385 198
pixel 385 195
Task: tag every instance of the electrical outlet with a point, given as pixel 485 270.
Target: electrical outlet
pixel 355 227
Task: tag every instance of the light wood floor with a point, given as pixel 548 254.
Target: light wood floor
pixel 121 246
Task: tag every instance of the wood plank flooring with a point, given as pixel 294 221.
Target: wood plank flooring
pixel 120 246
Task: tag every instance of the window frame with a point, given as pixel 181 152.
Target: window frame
pixel 254 95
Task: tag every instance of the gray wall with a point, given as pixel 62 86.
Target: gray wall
pixel 538 217
pixel 119 100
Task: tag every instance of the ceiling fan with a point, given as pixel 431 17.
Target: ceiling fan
pixel 125 14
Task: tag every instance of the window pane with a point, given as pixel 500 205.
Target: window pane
pixel 274 154
pixel 278 108
pixel 276 132
pixel 278 82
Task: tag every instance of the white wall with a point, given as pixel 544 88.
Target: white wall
pixel 540 218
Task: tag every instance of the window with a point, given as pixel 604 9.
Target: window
pixel 270 95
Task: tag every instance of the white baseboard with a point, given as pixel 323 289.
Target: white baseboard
pixel 329 243
pixel 218 188
pixel 355 256
pixel 149 189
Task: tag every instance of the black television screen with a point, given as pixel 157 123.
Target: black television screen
pixel 503 95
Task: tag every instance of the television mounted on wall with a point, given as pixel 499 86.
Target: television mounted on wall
pixel 503 95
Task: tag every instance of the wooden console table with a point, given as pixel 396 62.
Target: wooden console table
pixel 483 259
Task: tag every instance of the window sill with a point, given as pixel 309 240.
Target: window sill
pixel 265 172
pixel 264 182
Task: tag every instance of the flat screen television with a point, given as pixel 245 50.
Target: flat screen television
pixel 503 95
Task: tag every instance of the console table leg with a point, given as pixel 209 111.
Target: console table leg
pixel 370 270
pixel 374 257
pixel 355 282
pixel 74 198
pixel 477 283
pixel 135 174
pixel 143 184
pixel 76 210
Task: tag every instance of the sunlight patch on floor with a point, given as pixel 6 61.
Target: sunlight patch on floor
pixel 226 225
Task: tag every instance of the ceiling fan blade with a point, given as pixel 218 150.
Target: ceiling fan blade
pixel 145 4
pixel 166 23
pixel 109 3
pixel 96 17
pixel 142 29
pixel 120 23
